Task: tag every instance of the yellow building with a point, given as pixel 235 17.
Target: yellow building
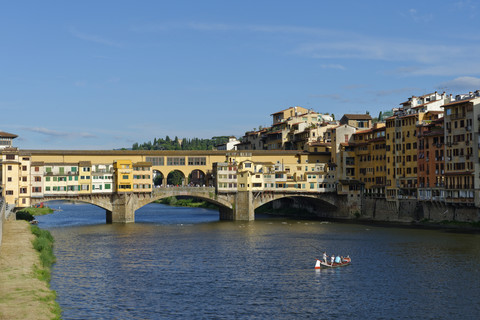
pixel 315 147
pixel 370 159
pixel 85 180
pixel 123 175
pixel 283 115
pixel 359 121
pixel 402 156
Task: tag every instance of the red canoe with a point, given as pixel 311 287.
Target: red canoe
pixel 320 264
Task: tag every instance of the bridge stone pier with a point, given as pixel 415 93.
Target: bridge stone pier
pixel 123 208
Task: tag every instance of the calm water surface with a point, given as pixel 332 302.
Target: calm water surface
pixel 184 263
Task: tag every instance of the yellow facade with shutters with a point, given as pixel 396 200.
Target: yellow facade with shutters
pixel 123 173
pixel 402 162
pixel 370 159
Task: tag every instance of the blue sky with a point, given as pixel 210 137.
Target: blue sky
pixel 106 74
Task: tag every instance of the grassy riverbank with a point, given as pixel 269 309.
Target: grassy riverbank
pixel 43 243
pixel 37 211
pixel 29 214
pixel 25 292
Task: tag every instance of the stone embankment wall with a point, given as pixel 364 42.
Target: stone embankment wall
pixel 380 210
pixel 412 210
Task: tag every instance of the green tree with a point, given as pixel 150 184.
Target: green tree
pixel 175 178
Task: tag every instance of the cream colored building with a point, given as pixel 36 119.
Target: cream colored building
pixel 6 139
pixel 11 176
pixel 462 140
pixel 102 178
pixel 341 157
pixel 142 177
pixel 301 172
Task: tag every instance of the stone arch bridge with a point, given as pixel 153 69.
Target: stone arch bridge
pixel 238 206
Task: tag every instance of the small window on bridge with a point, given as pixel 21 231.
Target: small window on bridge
pixel 156 161
pixel 197 161
pixel 175 161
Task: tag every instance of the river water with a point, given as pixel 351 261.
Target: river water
pixel 184 263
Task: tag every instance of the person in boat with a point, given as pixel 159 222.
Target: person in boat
pixel 325 257
pixel 332 259
pixel 347 259
pixel 337 259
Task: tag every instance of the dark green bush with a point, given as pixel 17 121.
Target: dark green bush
pixel 23 215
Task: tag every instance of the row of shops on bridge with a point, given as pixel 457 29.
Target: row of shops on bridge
pixel 26 181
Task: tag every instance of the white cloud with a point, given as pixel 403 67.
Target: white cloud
pixel 461 83
pixel 354 86
pixel 421 57
pixel 383 93
pixel 337 97
pixel 94 38
pixel 80 83
pixel 454 68
pixel 333 66
pixel 223 27
pixel 385 50
pixel 465 4
pixel 113 80
pixel 53 133
pixel 47 132
pixel 417 17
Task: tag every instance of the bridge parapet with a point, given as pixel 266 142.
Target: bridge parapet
pixel 182 189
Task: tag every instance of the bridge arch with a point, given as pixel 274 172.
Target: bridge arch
pixel 206 194
pixel 98 201
pixel 329 200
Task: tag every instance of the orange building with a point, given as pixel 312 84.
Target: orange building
pixel 431 158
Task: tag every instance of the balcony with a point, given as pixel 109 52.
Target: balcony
pixel 456 116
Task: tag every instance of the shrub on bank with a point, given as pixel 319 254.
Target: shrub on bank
pixel 43 243
pixel 24 215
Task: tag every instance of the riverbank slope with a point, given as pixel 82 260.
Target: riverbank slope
pixel 22 294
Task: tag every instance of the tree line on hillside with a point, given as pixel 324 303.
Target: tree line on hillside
pixel 381 116
pixel 183 144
